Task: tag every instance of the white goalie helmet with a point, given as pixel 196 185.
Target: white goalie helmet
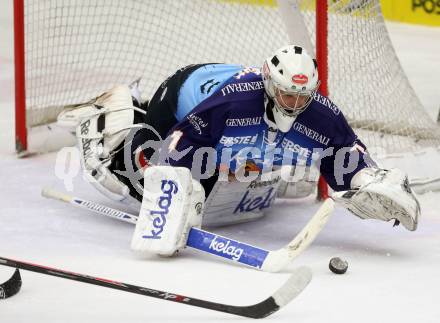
pixel 290 78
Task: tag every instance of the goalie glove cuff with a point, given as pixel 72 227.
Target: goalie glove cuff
pixel 366 176
pixel 384 195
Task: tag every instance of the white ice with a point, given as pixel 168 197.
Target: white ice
pixel 393 276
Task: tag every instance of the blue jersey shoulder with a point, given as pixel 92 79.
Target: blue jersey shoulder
pixel 325 118
pixel 201 84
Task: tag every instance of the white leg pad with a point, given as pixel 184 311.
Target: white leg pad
pixel 172 203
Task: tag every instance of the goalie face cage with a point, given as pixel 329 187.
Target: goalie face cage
pixel 68 51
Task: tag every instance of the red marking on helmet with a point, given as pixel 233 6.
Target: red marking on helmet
pixel 300 79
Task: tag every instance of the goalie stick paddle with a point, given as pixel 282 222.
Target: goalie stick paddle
pixel 296 283
pixel 230 249
pixel 12 286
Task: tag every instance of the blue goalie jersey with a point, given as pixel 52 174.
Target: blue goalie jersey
pixel 222 125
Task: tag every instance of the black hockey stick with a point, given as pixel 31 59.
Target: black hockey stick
pixel 290 289
pixel 11 286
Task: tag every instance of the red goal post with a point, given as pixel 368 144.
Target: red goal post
pixel 321 58
pixel 21 143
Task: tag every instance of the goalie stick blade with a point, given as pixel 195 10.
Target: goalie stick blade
pixel 292 288
pixel 278 259
pixel 12 286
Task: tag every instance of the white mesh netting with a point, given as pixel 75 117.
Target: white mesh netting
pixel 366 79
pixel 76 49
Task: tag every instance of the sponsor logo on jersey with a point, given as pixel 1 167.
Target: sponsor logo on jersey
pixel 242 87
pixel 259 183
pixel 159 215
pixel 326 101
pixel 301 151
pixel 248 204
pixel 227 247
pixel 208 86
pixel 244 122
pixel 312 134
pixel 197 122
pixel 229 141
pixel 300 79
pixel 247 70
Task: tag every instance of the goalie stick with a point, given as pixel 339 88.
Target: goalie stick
pixel 230 249
pixel 299 279
pixel 12 286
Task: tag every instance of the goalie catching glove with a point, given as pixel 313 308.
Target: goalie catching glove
pixel 172 203
pixel 381 194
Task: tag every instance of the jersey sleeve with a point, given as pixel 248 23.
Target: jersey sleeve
pixel 345 156
pixel 191 143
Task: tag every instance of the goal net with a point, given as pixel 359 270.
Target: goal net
pixel 73 50
pixel 366 80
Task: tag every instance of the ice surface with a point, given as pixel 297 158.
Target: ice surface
pixel 393 275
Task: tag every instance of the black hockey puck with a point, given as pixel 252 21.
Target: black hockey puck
pixel 338 266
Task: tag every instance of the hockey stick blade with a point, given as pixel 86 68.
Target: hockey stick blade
pixel 265 260
pixel 12 286
pixel 299 279
pixel 278 259
pixel 230 249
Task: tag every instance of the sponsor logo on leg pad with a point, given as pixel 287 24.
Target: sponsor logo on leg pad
pixel 159 215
